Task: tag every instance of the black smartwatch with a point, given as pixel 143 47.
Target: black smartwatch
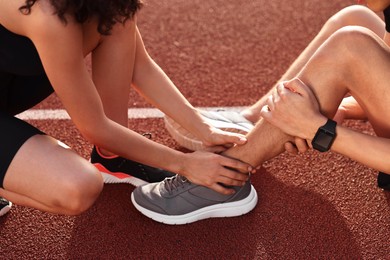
pixel 325 136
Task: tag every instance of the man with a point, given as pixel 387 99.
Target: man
pixel 346 57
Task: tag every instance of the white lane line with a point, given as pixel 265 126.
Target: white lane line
pixel 61 114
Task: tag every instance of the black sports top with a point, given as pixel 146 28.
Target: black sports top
pixel 18 54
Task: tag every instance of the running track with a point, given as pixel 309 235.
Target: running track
pixel 221 53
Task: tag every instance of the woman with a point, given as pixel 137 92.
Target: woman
pixel 42 48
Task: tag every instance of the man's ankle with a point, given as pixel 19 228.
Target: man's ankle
pixel 250 115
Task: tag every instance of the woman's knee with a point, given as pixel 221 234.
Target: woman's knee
pixel 77 195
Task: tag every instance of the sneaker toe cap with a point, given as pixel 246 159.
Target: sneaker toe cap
pixel 146 196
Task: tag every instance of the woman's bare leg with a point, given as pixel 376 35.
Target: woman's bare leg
pixel 112 70
pixel 353 15
pixel 50 177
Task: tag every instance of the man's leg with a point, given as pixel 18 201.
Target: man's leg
pixel 353 15
pixel 353 60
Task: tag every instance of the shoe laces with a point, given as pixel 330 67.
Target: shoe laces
pixel 175 183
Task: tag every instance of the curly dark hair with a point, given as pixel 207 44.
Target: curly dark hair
pixel 108 12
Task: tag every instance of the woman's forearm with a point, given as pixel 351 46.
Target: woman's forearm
pixel 157 88
pixel 129 144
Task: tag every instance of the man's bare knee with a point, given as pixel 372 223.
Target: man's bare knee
pixel 351 15
pixel 346 48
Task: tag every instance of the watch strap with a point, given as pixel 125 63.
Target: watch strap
pixel 330 126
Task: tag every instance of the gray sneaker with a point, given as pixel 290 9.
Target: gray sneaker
pixel 177 201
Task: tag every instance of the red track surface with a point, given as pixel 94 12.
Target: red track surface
pixel 222 53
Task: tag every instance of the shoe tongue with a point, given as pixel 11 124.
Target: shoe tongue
pixel 172 183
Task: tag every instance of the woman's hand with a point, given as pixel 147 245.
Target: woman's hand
pixel 217 140
pixel 294 109
pixel 212 170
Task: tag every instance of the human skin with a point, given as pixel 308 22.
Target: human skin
pixel 349 109
pixel 48 176
pixel 313 91
pixel 352 15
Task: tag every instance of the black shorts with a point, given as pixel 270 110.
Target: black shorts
pixel 17 94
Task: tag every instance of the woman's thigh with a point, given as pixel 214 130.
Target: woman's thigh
pixel 43 170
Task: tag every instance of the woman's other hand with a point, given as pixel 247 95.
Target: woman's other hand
pixel 211 170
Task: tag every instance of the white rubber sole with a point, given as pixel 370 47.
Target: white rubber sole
pixel 114 178
pixel 222 210
pixel 5 210
pixel 111 179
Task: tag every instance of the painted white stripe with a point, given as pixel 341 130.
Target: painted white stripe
pixel 61 114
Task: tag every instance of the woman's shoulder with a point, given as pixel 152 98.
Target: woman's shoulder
pixel 41 19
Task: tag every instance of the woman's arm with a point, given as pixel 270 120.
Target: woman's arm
pixel 60 48
pixel 155 86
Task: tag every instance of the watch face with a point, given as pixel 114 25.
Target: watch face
pixel 324 140
pixel 325 136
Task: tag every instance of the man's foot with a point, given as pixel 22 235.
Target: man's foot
pixel 226 120
pixel 115 169
pixel 384 181
pixel 5 206
pixel 177 201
